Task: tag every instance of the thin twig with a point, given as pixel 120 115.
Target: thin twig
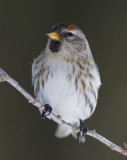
pixel 5 77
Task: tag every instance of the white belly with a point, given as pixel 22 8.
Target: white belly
pixel 62 95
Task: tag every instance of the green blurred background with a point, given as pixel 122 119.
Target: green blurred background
pixel 23 25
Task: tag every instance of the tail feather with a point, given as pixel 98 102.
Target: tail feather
pixel 62 132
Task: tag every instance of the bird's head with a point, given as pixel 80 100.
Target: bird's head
pixel 67 38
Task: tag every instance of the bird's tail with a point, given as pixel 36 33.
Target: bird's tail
pixel 62 132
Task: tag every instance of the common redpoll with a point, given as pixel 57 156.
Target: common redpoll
pixel 66 77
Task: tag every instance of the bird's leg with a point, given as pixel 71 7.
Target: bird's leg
pixel 46 112
pixel 78 136
pixel 83 130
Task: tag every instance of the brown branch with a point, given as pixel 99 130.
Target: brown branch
pixel 5 77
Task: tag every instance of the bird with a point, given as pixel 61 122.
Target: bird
pixel 66 78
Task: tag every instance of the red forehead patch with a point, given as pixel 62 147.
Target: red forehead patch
pixel 69 26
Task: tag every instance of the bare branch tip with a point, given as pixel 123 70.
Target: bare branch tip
pixel 125 145
pixel 3 76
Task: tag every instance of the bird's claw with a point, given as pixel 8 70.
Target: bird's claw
pixel 82 132
pixel 46 112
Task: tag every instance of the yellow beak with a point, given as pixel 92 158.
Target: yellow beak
pixel 54 36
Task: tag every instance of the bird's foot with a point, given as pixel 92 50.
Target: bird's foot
pixel 46 112
pixel 82 132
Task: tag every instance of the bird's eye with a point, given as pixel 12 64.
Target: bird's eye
pixel 69 34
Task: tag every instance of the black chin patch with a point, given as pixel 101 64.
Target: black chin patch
pixel 54 46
